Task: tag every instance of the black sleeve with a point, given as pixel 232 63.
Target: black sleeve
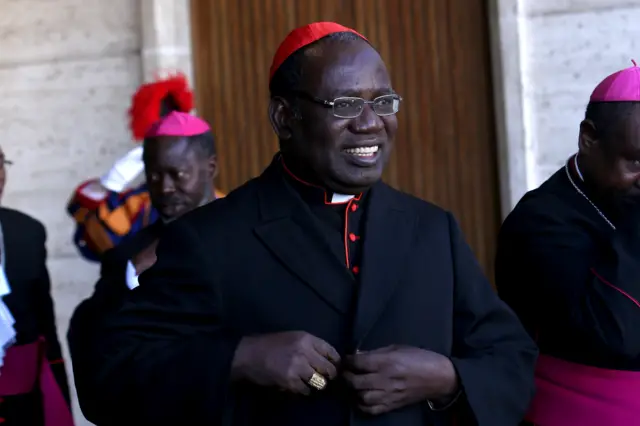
pixel 107 297
pixel 47 317
pixel 589 287
pixel 492 353
pixel 111 289
pixel 165 356
pixel 86 321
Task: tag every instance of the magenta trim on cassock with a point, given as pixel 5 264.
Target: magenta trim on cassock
pixel 25 369
pixel 570 394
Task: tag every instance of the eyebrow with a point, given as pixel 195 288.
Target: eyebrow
pixel 358 93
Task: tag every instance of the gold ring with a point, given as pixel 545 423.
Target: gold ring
pixel 317 381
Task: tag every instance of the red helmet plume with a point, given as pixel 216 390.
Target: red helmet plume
pixel 153 100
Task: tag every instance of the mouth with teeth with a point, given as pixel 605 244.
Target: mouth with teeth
pixel 363 151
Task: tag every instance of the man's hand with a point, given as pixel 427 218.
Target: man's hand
pixel 397 376
pixel 284 360
pixel 146 258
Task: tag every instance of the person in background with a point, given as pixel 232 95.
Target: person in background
pixel 315 294
pixel 568 264
pixel 107 209
pixel 180 163
pixel 33 381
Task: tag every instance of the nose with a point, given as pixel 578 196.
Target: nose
pixel 168 185
pixel 368 121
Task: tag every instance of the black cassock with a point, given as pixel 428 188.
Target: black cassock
pixel 267 258
pixel 573 281
pixel 571 278
pixel 32 308
pixel 109 293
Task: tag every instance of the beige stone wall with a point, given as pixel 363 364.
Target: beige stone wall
pixel 549 55
pixel 166 37
pixel 67 71
pixel 572 46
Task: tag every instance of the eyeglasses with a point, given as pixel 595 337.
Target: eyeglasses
pixel 352 107
pixel 4 162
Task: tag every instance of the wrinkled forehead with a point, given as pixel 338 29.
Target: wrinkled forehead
pixel 169 150
pixel 346 69
pixel 627 133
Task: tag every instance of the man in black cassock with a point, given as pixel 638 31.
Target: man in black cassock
pixel 569 265
pixel 192 157
pixel 318 295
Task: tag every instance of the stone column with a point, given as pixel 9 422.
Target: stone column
pixel 515 154
pixel 166 37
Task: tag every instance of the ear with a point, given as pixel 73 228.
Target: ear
pixel 281 117
pixel 588 138
pixel 212 167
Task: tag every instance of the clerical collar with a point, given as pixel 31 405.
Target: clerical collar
pixel 577 171
pixel 573 168
pixel 316 194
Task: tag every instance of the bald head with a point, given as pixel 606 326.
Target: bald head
pixel 291 75
pixel 333 108
pixel 609 148
pixel 608 118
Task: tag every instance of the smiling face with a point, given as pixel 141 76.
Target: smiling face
pixel 344 155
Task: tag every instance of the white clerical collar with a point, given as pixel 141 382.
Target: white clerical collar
pixel 341 198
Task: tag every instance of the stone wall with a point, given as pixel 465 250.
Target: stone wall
pixel 572 46
pixel 68 69
pixel 549 56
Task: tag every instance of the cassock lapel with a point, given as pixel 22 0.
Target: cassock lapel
pixel 289 231
pixel 388 233
pixel 6 231
pixel 10 237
